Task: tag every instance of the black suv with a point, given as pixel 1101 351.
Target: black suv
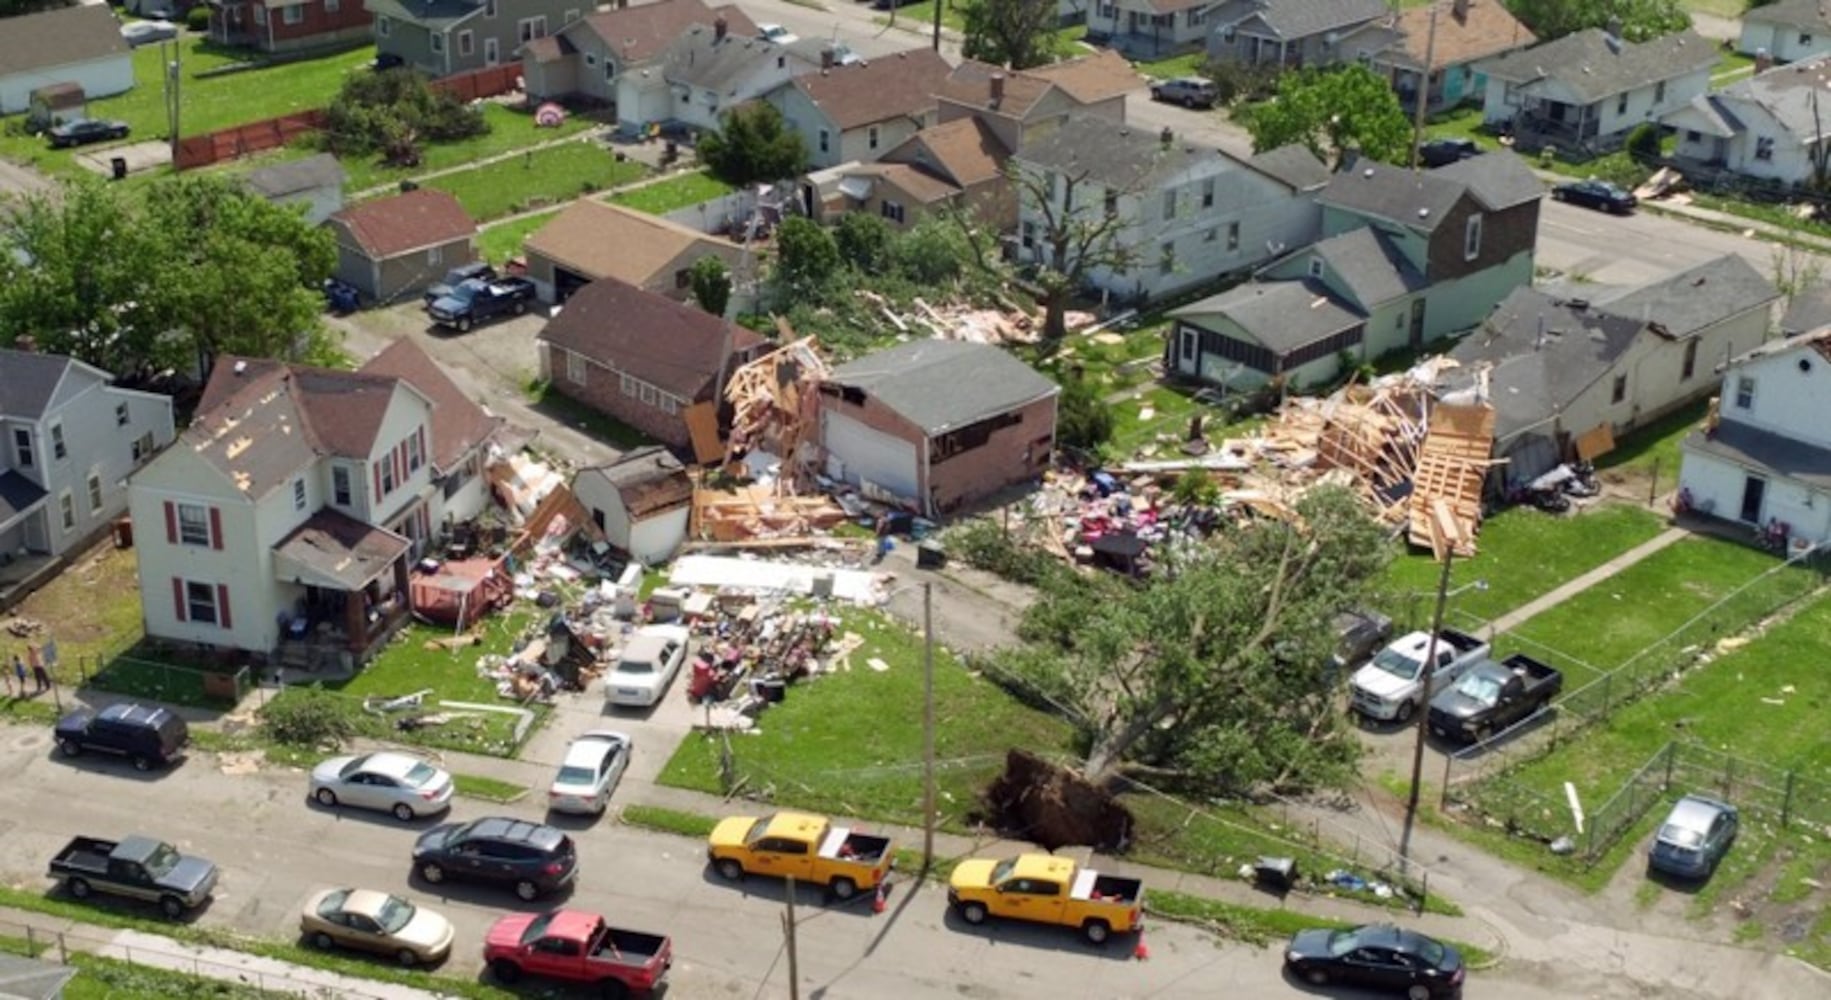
pixel 149 736
pixel 536 859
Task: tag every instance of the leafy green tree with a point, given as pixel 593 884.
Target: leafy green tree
pixel 807 257
pixel 710 281
pixel 1640 19
pixel 932 252
pixel 14 8
pixel 864 242
pixel 1331 112
pixel 1082 418
pixel 753 143
pixel 1211 672
pixel 394 112
pixel 1015 33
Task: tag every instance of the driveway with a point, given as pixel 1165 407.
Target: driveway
pixel 18 180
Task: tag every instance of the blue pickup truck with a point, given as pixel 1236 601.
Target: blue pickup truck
pixel 473 301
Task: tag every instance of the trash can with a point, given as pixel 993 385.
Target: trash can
pixel 773 690
pixel 822 584
pixel 123 532
pixel 118 165
pixel 1275 874
pixel 930 555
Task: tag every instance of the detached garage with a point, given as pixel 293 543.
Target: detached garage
pixel 933 425
pixel 589 240
pixel 79 45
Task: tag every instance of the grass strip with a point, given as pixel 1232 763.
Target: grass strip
pixel 475 786
pixel 1263 926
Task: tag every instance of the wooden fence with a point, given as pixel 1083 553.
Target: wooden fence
pixel 480 83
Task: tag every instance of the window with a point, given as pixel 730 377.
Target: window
pixel 193 524
pixel 1166 258
pixel 1198 16
pixel 1691 136
pixel 1049 185
pixel 1212 235
pixel 1745 392
pixel 825 142
pixel 1108 10
pixel 1471 238
pixel 893 211
pixel 66 510
pixel 436 42
pixel 1764 148
pixel 572 15
pixel 648 394
pixel 1112 203
pixel 260 15
pixel 1621 104
pixel 871 137
pixel 489 8
pixel 120 414
pixel 434 254
pixel 298 493
pixel 58 451
pixel 414 458
pixel 1315 267
pixel 1690 360
pixel 1805 38
pixel 199 603
pixel 1620 390
pixel 143 447
pixel 630 384
pixel 1208 193
pixel 1028 235
pixel 332 6
pixel 466 43
pixel 387 475
pixel 95 492
pixel 591 59
pixel 530 28
pixel 1659 92
pixel 383 26
pixel 340 486
pixel 492 54
pixel 575 368
pixel 22 448
pixel 1233 235
pixel 292 15
pixel 1169 204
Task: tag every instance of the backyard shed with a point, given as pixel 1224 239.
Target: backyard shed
pixel 80 45
pixel 641 502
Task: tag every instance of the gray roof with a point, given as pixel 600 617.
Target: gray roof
pixel 1806 14
pixel 1784 92
pixel 283 179
pixel 27 381
pixel 1765 451
pixel 1294 165
pixel 700 60
pixel 1810 310
pixel 1543 350
pixel 1301 18
pixel 942 384
pixel 1686 302
pixel 33 979
pixel 1114 154
pixel 1419 200
pixel 431 13
pixel 1367 264
pixel 17 495
pixel 1716 114
pixel 1282 315
pixel 1498 179
pixel 57 38
pixel 1594 65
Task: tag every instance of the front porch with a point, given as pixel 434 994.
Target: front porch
pixel 350 590
pixel 26 559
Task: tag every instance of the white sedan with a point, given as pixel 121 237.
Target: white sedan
pixel 593 765
pixel 646 666
pixel 397 783
pixel 776 33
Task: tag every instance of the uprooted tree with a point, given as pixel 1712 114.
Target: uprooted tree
pixel 1212 674
pixel 394 112
pixel 1078 229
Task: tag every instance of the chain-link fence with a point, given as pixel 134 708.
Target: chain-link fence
pixel 158 680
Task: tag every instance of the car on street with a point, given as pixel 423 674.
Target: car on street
pixel 1695 836
pixel 375 922
pixel 1188 91
pixel 1379 957
pixel 574 946
pixel 148 736
pixel 385 781
pixel 589 772
pixel 1443 152
pixel 140 868
pixel 776 33
pixel 646 666
pixel 140 33
pixel 83 131
pixel 1601 195
pixel 533 858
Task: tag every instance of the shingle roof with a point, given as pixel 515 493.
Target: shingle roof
pixel 1281 315
pixel 27 381
pixel 610 241
pixel 333 549
pixel 1806 14
pixel 458 424
pixel 669 344
pixel 939 385
pixel 283 179
pixel 699 58
pixel 1093 78
pixel 1785 92
pixel 900 85
pixel 1293 165
pixel 1594 66
pixel 1543 350
pixel 1499 180
pixel 56 38
pixel 1301 18
pixel 1488 30
pixel 18 495
pixel 965 150
pixel 915 181
pixel 432 13
pixel 409 221
pixel 1114 154
pixel 641 32
pixel 970 84
pixel 1810 310
pixel 648 479
pixel 1686 302
pixel 1367 264
pixel 1763 450
pixel 1418 200
pixel 1172 6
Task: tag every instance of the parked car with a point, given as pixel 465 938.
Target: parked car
pixel 83 131
pixel 1443 152
pixel 646 666
pixel 589 772
pixel 1597 194
pixel 1047 889
pixel 1695 836
pixel 776 33
pixel 1188 91
pixel 1391 686
pixel 480 270
pixel 1357 634
pixel 577 947
pixel 1491 696
pixel 534 858
pixel 384 781
pixel 140 33
pixel 140 868
pixel 809 848
pixel 843 54
pixel 376 922
pixel 148 736
pixel 474 301
pixel 1378 956
pixel 341 297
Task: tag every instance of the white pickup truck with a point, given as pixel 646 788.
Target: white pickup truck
pixel 1391 686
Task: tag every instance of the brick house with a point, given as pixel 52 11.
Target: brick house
pixel 288 25
pixel 640 357
pixel 936 424
pixel 393 247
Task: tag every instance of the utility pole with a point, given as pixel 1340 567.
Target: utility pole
pixel 1422 97
pixel 938 4
pixel 171 93
pixel 788 931
pixel 928 720
pixel 1445 536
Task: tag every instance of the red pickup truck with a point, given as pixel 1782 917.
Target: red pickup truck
pixel 577 947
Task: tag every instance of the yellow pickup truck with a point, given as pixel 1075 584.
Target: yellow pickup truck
pixel 1046 889
pixel 801 846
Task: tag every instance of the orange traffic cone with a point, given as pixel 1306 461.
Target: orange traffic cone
pixel 1143 951
pixel 877 905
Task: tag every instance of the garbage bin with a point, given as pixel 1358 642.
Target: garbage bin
pixel 118 165
pixel 1275 874
pixel 930 555
pixel 220 686
pixel 123 532
pixel 773 690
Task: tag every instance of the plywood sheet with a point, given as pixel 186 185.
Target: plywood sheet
pixel 1599 440
pixel 1452 465
pixel 702 428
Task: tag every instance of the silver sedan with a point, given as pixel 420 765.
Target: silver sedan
pixel 397 783
pixel 593 765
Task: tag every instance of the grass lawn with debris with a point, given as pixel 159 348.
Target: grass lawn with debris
pixel 92 610
pixel 537 178
pixel 1646 462
pixel 511 129
pixel 677 192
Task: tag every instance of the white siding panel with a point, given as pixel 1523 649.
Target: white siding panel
pixel 865 454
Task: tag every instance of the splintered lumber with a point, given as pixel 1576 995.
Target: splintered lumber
pixel 773 402
pixel 1452 465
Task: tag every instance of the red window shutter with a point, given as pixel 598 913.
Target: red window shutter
pixel 378 480
pixel 425 456
pixel 216 528
pixel 400 462
pixel 222 606
pixel 178 598
pixel 171 523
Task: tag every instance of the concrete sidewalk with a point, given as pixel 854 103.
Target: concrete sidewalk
pixel 1571 588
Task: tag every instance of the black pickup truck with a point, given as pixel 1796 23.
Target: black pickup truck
pixel 474 301
pixel 138 868
pixel 1491 696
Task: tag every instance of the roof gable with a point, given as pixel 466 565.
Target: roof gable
pixel 1090 79
pixel 1293 19
pixel 1416 200
pixel 1119 156
pixel 1785 93
pixel 45 41
pixel 1294 166
pixel 939 385
pixel 1367 267
pixel 669 344
pixel 409 221
pixel 1592 64
pixel 1806 14
pixel 458 424
pixel 701 58
pixel 973 83
pixel 1499 179
pixel 1684 303
pixel 1282 316
pixel 1486 29
pixel 29 381
pixel 965 151
pixel 901 85
pixel 638 33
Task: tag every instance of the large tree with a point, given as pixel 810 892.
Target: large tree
pixel 1015 33
pixel 1640 19
pixel 395 112
pixel 1331 112
pixel 753 143
pixel 1213 670
pixel 1078 228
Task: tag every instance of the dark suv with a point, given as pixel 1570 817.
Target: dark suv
pixel 534 858
pixel 148 736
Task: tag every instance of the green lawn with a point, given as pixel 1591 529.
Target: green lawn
pixel 1720 8
pixel 500 242
pixel 1731 66
pixel 511 129
pixel 1648 459
pixel 540 177
pixel 1171 67
pixel 921 17
pixel 679 191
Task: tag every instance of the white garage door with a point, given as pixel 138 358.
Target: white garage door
pixel 857 454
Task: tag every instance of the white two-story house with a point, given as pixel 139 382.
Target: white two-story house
pixel 68 441
pixel 1764 455
pixel 298 498
pixel 1189 213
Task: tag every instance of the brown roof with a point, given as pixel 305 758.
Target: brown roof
pixel 546 48
pixel 893 86
pixel 669 344
pixel 1488 30
pixel 56 38
pixel 640 33
pixel 610 241
pixel 458 424
pixel 1092 78
pixel 649 480
pixel 413 220
pixel 918 184
pixel 333 549
pixel 970 84
pixel 965 150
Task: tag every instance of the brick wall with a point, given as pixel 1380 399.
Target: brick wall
pixel 603 391
pixel 1012 454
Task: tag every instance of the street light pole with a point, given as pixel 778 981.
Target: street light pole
pixel 928 722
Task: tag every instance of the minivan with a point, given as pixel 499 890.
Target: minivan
pixel 147 735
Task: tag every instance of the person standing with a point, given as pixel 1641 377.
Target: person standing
pixel 40 676
pixel 19 672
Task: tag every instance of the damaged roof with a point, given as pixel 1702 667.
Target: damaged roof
pixel 939 385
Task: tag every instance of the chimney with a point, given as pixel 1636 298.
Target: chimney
pixel 1167 137
pixel 997 89
pixel 826 58
pixel 1614 27
pixel 26 343
pixel 720 27
pixel 1459 9
pixel 1763 61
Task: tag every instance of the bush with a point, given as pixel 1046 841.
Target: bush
pixel 1238 83
pixel 1643 143
pixel 311 717
pixel 198 18
pixel 393 112
pixel 1083 420
pixel 983 544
